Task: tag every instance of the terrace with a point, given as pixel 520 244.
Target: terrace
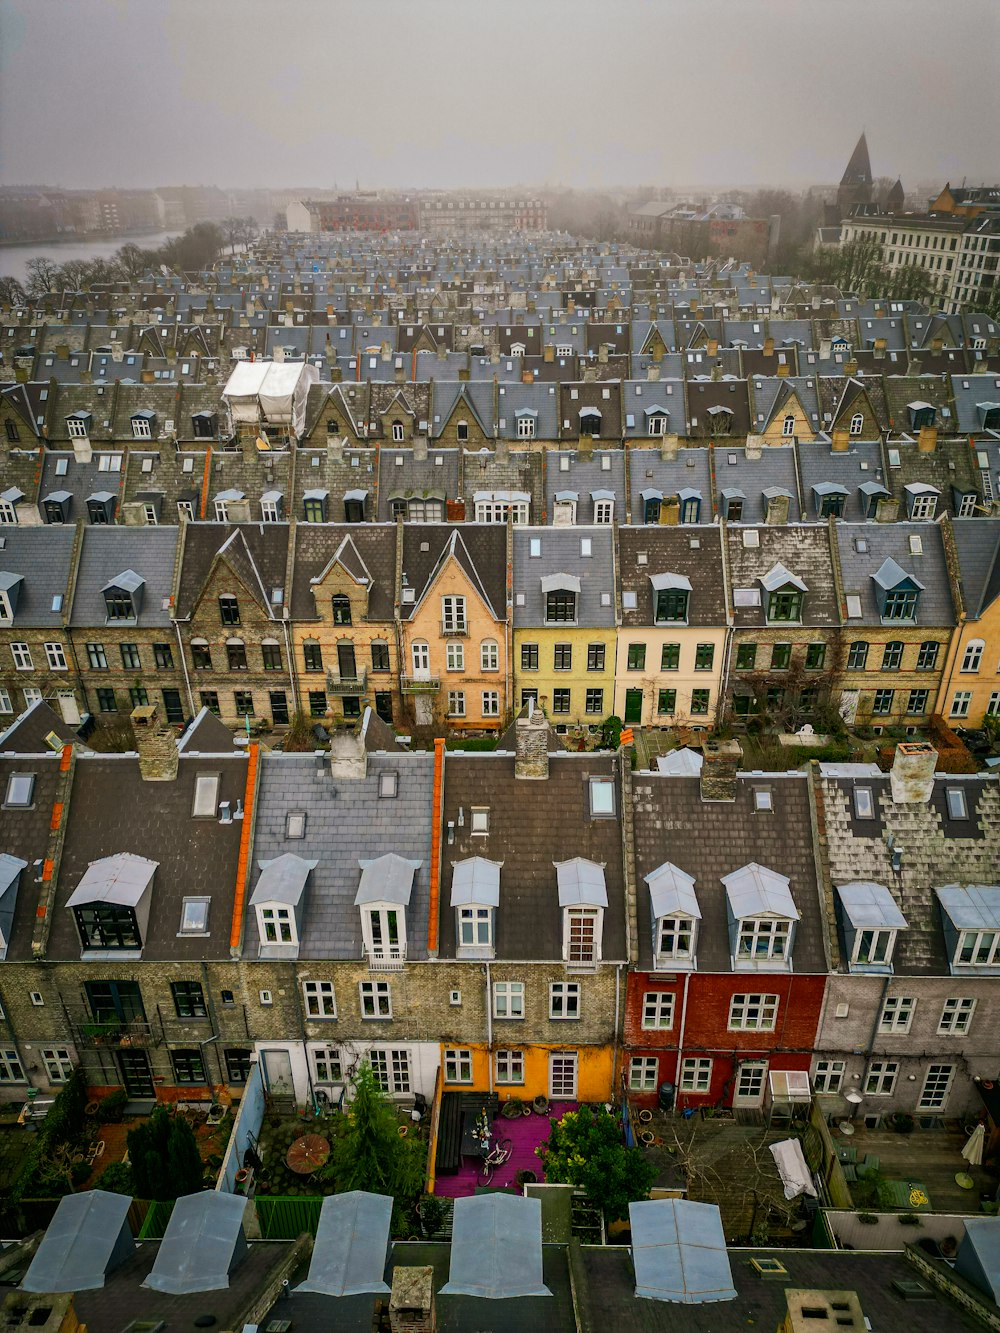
pixel 923 1164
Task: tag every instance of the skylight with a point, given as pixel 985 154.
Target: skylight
pixel 194 916
pixel 20 789
pixel 206 795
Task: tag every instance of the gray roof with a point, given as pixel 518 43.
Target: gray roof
pixel 691 470
pixel 803 549
pixel 202 1244
pixel 341 813
pixel 496 1248
pixel 866 904
pixel 888 545
pixel 282 880
pixel 476 880
pixel 351 1247
pixel 756 890
pixel 386 879
pixel 147 553
pixel 88 1236
pixel 970 391
pixel 581 882
pixel 587 475
pixel 121 879
pixel 671 890
pixel 679 1252
pixel 977 543
pixel 561 556
pixel 754 476
pixel 42 557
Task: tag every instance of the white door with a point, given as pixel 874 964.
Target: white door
pixel 562 1076
pixel 278 1073
pixel 69 707
pixel 750 1076
pixel 421 655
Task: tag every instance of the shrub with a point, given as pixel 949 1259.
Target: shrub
pixel 79 1172
pixel 116 1178
pixel 165 1160
pixel 111 1109
pixel 585 1148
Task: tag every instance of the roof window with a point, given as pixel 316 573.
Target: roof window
pixel 206 795
pixel 20 789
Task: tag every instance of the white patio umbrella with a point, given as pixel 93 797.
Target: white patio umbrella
pixel 973 1150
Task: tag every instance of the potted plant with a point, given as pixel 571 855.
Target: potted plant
pixel 909 1220
pixel 868 1219
pixel 540 1105
pixel 903 1122
pixel 525 1177
pixel 512 1108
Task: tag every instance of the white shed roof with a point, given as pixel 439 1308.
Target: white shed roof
pixel 753 890
pixel 476 880
pixel 866 905
pixel 581 883
pixel 387 879
pixel 121 879
pixel 671 891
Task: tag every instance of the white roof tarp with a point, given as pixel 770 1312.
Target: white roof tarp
pixel 679 1252
pixel 276 390
pixel 352 1242
pixel 796 1177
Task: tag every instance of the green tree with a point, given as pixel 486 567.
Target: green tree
pixel 369 1153
pixel 116 1179
pixel 184 1165
pixel 585 1149
pixel 165 1160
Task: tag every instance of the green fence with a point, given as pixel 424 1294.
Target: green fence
pixel 156 1219
pixel 284 1219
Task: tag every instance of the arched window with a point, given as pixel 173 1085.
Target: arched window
pixel 341 609
pixel 788 425
pixel 462 431
pixel 857 423
pixel 236 652
pixel 397 432
pixel 973 654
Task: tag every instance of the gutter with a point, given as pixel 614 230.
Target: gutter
pixel 243 864
pixel 434 907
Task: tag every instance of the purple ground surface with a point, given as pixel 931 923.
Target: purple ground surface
pixel 525 1134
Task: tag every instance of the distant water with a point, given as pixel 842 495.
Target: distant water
pixel 14 258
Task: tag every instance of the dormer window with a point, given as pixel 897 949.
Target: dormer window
pixel 657 421
pixel 857 424
pixel 383 896
pixel 564 508
pixel 896 592
pixel 398 432
pixel 111 903
pixel 921 415
pixel 314 506
pixel 10 591
pixel 762 916
pixel 123 597
pixel 525 424
pixel 590 422
pixel 78 425
pixel 671 594
pixel 57 506
pixel 101 508
pixel 690 505
pixel 784 596
pixel 733 501
pixel 203 425
pixel 143 425
pixel 971 920
pixel 830 499
pixel 788 426
pixel 560 592
pixel 989 415
pixel 229 609
pixel 583 898
pixel 870 919
pixel 675 916
pixel 278 901
pixel 475 897
pixel 921 501
pixel 720 420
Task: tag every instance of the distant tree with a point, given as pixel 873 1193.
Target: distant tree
pixel 248 230
pixel 11 292
pixel 231 229
pixel 198 248
pixel 133 262
pixel 43 276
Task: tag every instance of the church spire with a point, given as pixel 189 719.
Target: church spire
pixel 859 169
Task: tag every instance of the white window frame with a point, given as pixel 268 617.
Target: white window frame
pixel 6 706
pixel 675 937
pixel 489 655
pixel 477 923
pixel 857 424
pixel 76 428
pixel 696 1074
pixel 658 424
pixel 453 615
pixel 882 941
pixel 773 932
pixel 8 513
pixel 510 1067
pixel 327 1064
pixel 11 1068
pixel 582 947
pixel 319 999
pixel 391 1067
pixel 937 1085
pixel 276 924
pixel 456 703
pixel 141 429
pixel 58 1063
pixel 508 1000
pixel 455 656
pixel 458 1065
pixel 376 996
pixel 829 1075
pixel 379 922
pixel 56 655
pixel 643 1073
pixel 923 506
pixel 788 425
pixel 658 1010
pixel 491 703
pixel 525 428
pixel 753 1013
pixel 880 1080
pixel 564 1001
pixel 604 512
pixel 972 659
pixel 961 701
pixel 269 511
pixel 956 1016
pixel 21 654
pixel 979 938
pixel 897 1013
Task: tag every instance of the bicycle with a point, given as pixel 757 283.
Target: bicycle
pixel 496 1156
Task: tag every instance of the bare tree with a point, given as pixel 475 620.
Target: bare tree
pixel 43 276
pixel 11 292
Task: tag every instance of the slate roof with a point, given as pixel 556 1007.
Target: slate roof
pixel 891 541
pixel 859 465
pixel 738 470
pixel 80 480
pixel 936 850
pixel 196 857
pixel 346 822
pixel 770 394
pixel 323 470
pixel 691 470
pixel 969 392
pixel 977 543
pixel 669 550
pixel 108 551
pixel 42 556
pixel 585 475
pixel 528 834
pixel 949 469
pixel 804 550
pixel 710 840
pixel 561 554
pixel 480 549
pixel 257 553
pixel 316 544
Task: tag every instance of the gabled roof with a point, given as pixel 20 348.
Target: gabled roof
pixel 121 879
pixel 202 1244
pixel 581 883
pixel 780 577
pixel 352 1241
pixel 754 890
pixel 870 905
pixel 387 879
pixel 671 890
pixel 282 880
pixel 890 574
pixel 476 881
pixel 496 1248
pixel 87 1238
pixel 679 1252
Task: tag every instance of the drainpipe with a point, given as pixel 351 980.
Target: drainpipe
pixel 680 1037
pixel 874 1032
pixel 187 678
pixel 489 1022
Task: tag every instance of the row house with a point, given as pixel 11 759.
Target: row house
pixel 970 689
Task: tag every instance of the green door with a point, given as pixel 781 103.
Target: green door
pixel 633 707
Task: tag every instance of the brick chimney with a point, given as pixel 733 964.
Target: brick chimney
pixel 531 745
pixel 156 743
pixel 668 448
pixel 769 346
pixel 777 511
pixel 652 374
pixel 912 775
pixel 927 439
pixel 841 440
pixel 348 756
pixel 718 772
pixel 411 1304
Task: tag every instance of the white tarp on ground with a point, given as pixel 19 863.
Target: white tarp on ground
pixel 795 1174
pixel 276 390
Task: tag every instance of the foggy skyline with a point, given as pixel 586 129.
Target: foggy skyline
pixel 452 93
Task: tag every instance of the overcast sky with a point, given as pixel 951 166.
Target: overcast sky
pixel 468 93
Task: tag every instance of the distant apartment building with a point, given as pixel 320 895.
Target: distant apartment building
pixel 353 212
pixel 483 213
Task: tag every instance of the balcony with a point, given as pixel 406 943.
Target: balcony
pixel 336 683
pixel 392 959
pixel 119 1035
pixel 455 631
pixel 419 684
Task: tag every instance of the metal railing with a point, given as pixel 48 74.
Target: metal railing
pixel 337 683
pixel 414 684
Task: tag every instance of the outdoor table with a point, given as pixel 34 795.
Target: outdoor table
pixel 307 1154
pixel 471 1143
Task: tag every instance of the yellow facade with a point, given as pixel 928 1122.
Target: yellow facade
pixel 546 679
pixel 970 686
pixel 594 1071
pixel 483 688
pixel 692 645
pixel 775 432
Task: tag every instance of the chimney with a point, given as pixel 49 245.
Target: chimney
pixel 549 353
pixel 602 354
pixel 420 448
pixel 399 375
pixel 718 771
pixel 927 439
pixel 777 511
pixel 783 370
pixel 532 744
pixel 411 1304
pixel 156 743
pixel 886 509
pixel 879 349
pixel 769 346
pixel 385 351
pixel 652 374
pixel 348 756
pixel 668 448
pixel 335 449
pixel 912 775
pixel 841 441
pixel 754 447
